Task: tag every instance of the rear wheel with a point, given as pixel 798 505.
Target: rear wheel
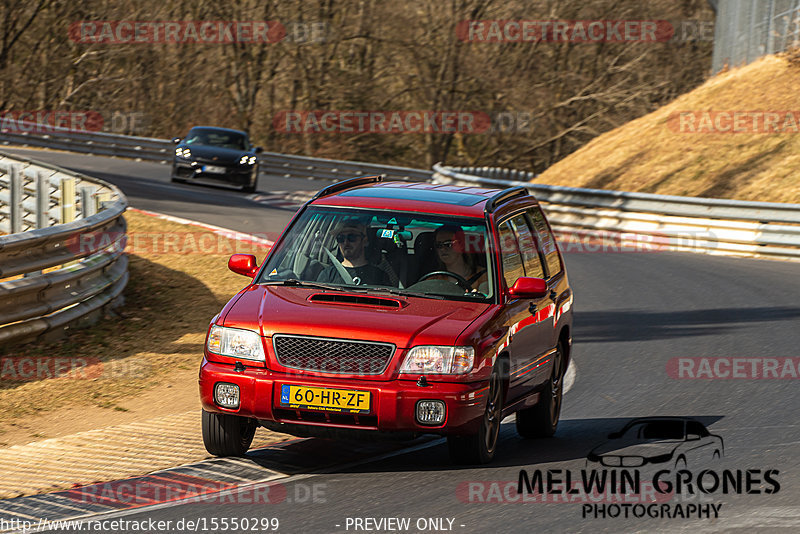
pixel 479 448
pixel 227 435
pixel 541 421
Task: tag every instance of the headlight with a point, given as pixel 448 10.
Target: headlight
pixel 236 343
pixel 431 359
pixel 183 153
pixel 247 160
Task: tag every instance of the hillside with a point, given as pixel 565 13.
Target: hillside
pixel 698 153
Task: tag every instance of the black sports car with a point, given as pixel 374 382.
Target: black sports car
pixel 218 154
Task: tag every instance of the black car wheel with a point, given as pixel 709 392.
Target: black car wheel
pixel 227 435
pixel 541 421
pixel 480 448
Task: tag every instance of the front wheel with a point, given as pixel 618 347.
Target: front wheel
pixel 541 421
pixel 251 187
pixel 227 435
pixel 480 448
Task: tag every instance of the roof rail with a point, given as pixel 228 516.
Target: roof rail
pixel 347 184
pixel 504 196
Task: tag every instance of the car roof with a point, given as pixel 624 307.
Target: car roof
pixel 415 196
pixel 231 130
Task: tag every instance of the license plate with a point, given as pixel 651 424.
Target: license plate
pixel 213 169
pixel 327 399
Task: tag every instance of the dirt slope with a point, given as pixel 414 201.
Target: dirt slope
pixel 659 153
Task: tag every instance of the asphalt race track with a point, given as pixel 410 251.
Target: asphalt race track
pixel 635 315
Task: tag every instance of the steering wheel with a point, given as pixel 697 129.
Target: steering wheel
pixel 460 280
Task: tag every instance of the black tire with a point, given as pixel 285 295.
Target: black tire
pixel 480 448
pixel 251 187
pixel 227 435
pixel 541 421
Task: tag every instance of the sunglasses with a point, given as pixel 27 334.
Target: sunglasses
pixel 445 244
pixel 352 238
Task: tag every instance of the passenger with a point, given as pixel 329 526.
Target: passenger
pixel 352 239
pixel 454 257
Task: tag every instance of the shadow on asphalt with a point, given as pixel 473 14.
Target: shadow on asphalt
pixel 573 441
pixel 639 325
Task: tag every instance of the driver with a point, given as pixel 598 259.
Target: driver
pixel 453 256
pixel 351 236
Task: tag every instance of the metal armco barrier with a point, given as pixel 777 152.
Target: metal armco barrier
pixel 78 239
pixel 584 218
pixel 759 229
pixel 163 150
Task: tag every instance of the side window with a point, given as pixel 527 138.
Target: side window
pixel 527 247
pixel 693 427
pixel 546 240
pixel 509 252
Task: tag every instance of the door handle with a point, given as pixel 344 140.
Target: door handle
pixel 553 295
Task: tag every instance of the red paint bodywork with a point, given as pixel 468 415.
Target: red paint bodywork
pixel 507 329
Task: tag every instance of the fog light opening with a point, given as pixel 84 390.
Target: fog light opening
pixel 226 395
pixel 430 412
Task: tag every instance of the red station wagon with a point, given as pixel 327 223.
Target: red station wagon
pixel 395 309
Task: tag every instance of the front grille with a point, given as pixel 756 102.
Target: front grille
pixel 338 356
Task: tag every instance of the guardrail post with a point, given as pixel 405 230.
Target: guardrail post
pixel 42 201
pixel 15 200
pixel 67 200
pixel 88 207
pixel 101 198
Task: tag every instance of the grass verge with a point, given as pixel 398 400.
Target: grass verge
pixel 157 335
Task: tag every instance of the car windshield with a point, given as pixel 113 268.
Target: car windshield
pixel 218 138
pixel 656 430
pixel 411 254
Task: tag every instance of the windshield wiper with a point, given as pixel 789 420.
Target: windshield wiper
pixel 403 293
pixel 294 282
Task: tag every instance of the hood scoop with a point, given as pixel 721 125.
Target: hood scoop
pixel 356 300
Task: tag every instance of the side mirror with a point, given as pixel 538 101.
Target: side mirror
pixel 176 140
pixel 258 150
pixel 692 437
pixel 243 264
pixel 528 288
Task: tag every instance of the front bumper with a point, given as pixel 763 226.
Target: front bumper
pixel 234 174
pixel 393 403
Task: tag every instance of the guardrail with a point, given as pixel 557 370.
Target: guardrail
pixel 761 229
pixel 163 150
pixel 56 272
pixel 590 216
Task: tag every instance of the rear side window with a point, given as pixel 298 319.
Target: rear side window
pixel 527 247
pixel 546 240
pixel 509 251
